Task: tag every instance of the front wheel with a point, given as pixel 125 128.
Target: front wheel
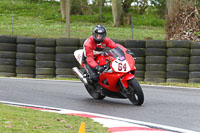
pixel 135 95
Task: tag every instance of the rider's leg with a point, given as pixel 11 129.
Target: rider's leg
pixel 94 77
pixel 92 73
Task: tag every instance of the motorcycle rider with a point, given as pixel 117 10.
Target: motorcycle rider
pixel 92 48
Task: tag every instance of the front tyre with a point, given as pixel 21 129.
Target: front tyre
pixel 93 93
pixel 135 95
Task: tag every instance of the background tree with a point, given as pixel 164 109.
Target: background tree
pixel 139 5
pixel 77 7
pixel 67 18
pixel 160 6
pixel 143 4
pixel 127 5
pixel 98 2
pixel 63 8
pixel 117 12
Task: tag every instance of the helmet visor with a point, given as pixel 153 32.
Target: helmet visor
pixel 99 36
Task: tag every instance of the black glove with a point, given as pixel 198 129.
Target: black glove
pixel 130 52
pixel 99 69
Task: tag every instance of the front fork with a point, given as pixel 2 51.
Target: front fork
pixel 125 78
pixel 123 83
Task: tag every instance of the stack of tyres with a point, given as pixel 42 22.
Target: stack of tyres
pixel 82 41
pixel 121 42
pixel 65 59
pixel 194 68
pixel 25 57
pixel 7 56
pixel 45 58
pixel 178 59
pixel 155 61
pixel 138 48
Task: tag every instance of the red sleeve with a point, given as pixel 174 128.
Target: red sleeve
pixel 88 47
pixel 90 57
pixel 111 44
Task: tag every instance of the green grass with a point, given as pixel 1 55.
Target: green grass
pixel 49 24
pixel 190 85
pixel 22 120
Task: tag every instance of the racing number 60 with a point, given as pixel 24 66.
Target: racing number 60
pixel 121 66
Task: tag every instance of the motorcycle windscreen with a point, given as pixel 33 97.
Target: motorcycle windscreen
pixel 117 53
pixel 120 64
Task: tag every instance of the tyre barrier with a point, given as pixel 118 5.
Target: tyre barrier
pixel 65 59
pixel 155 61
pixel 121 42
pixel 25 57
pixel 138 48
pixel 45 58
pixel 8 56
pixel 194 67
pixel 178 56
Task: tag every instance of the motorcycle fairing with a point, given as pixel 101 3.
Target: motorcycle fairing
pixel 125 78
pixel 78 55
pixel 120 66
pixel 112 80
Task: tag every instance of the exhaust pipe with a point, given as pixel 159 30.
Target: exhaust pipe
pixel 79 75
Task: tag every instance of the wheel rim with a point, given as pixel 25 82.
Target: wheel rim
pixel 133 96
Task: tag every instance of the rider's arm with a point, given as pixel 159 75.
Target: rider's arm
pixel 111 44
pixel 90 56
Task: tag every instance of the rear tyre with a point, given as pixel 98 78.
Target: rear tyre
pixel 136 95
pixel 91 90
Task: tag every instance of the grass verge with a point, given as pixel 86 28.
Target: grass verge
pixel 22 120
pixel 190 85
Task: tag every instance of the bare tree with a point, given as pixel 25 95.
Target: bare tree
pixel 67 18
pixel 127 5
pixel 117 12
pixel 63 8
pixel 171 6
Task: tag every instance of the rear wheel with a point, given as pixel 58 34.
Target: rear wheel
pixel 92 91
pixel 136 95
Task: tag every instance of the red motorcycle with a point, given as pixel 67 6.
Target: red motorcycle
pixel 117 80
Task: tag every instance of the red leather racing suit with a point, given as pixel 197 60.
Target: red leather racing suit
pixel 92 49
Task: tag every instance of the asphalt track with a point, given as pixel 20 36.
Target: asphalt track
pixel 170 106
